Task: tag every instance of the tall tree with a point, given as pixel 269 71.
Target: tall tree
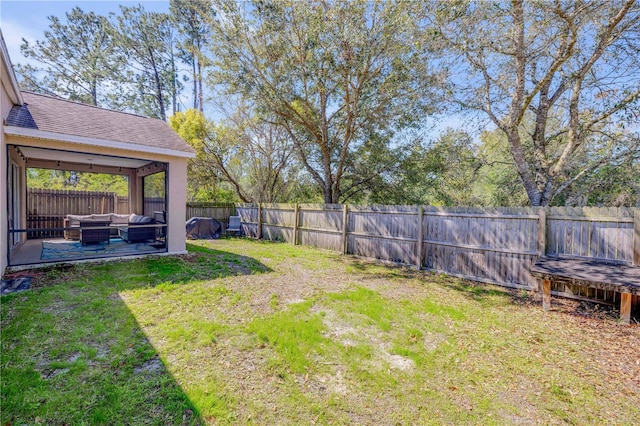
pixel 193 21
pixel 453 166
pixel 557 78
pixel 332 74
pixel 146 39
pixel 266 153
pixel 78 59
pixel 247 153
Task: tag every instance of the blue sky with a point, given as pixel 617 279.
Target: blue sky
pixel 28 19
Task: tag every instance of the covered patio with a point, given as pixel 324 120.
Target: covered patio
pixel 42 132
pixel 75 225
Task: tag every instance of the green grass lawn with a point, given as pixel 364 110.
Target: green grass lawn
pixel 250 332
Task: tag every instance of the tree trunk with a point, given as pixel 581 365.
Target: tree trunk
pixel 163 113
pixel 174 88
pixel 195 83
pixel 535 197
pixel 326 191
pixel 200 97
pixel 158 86
pixel 94 92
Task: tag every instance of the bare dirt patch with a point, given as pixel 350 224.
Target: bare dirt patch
pixel 348 334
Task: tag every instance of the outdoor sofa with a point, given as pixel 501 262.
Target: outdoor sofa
pixel 135 235
pixel 119 226
pixel 73 221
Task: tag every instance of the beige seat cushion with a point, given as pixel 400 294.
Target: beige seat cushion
pixel 102 217
pixel 74 219
pixel 120 219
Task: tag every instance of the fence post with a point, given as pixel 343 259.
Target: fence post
pixel 345 224
pixel 420 238
pixel 636 238
pixel 296 213
pixel 259 221
pixel 542 231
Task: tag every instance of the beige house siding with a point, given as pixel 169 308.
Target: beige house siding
pixel 5 106
pixel 177 196
pixel 14 158
pixel 9 96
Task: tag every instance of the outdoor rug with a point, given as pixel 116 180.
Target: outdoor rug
pixel 62 249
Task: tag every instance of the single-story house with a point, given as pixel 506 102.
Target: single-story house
pixel 45 132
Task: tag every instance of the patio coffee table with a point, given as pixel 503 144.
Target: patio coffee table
pixel 94 235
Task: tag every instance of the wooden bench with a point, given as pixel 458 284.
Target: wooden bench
pixel 624 279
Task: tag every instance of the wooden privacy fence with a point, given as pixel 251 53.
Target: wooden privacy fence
pixel 46 208
pixel 494 245
pixel 52 202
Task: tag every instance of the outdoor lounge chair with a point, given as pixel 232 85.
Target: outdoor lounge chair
pixel 136 235
pixel 234 226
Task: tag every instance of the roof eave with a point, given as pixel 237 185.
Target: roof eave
pixel 39 134
pixel 15 95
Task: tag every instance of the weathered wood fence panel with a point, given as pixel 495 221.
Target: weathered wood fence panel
pixel 122 205
pixel 490 245
pixel 593 232
pixel 153 204
pixel 383 232
pixel 38 225
pixel 320 225
pixel 278 221
pixel 249 218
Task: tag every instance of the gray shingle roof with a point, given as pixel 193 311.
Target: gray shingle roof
pixel 21 117
pixel 56 115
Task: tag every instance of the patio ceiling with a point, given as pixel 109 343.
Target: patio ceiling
pixel 42 154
